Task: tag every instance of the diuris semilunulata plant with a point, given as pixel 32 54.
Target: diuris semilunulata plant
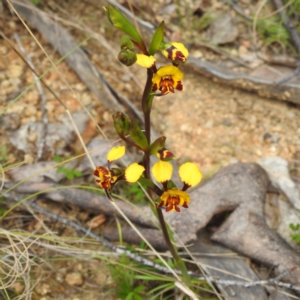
pixel 160 81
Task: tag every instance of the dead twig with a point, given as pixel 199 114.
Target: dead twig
pixel 238 9
pixel 219 51
pixel 294 36
pixel 42 95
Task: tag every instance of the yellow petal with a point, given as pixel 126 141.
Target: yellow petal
pixel 178 76
pixel 116 153
pixel 156 81
pixel 133 172
pixel 162 171
pixel 190 174
pixel 145 61
pixel 169 71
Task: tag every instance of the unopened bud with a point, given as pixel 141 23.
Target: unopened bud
pixel 126 43
pixel 121 123
pixel 127 57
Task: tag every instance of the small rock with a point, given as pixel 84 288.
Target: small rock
pixel 30 111
pixel 267 137
pixel 222 30
pixel 60 274
pixel 198 54
pixel 43 289
pixel 18 287
pixel 185 128
pixel 227 122
pixel 32 137
pixel 74 279
pixel 14 71
pixel 242 50
pixel 258 152
pixel 209 123
pixel 10 121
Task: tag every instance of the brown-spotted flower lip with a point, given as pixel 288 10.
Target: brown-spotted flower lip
pixel 165 154
pixel 167 79
pixel 104 177
pixel 173 198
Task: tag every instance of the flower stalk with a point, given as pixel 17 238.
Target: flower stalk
pixel 147 99
pixel 160 82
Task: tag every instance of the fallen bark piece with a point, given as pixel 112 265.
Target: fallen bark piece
pixel 266 88
pixel 231 187
pixel 219 262
pixel 240 188
pixel 247 233
pixel 86 200
pixel 42 171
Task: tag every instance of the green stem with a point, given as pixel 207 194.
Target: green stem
pixel 179 263
pixel 146 106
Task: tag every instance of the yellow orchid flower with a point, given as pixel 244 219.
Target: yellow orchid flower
pixel 171 198
pixel 107 177
pixel 104 177
pixel 167 79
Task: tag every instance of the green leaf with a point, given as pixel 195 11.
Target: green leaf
pixel 119 21
pixel 77 173
pixel 139 288
pixel 157 38
pixel 129 296
pixel 294 227
pixel 166 286
pixel 138 136
pixel 70 175
pixel 126 43
pixel 57 158
pixel 296 237
pixel 137 297
pixel 148 183
pixel 157 145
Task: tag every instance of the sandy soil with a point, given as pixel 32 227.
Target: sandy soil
pixel 209 123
